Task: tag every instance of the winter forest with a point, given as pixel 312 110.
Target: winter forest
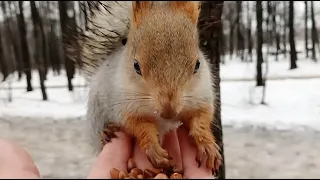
pixel 265 53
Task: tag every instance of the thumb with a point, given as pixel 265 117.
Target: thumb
pixel 114 154
pixel 188 156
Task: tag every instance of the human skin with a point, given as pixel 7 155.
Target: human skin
pixel 15 162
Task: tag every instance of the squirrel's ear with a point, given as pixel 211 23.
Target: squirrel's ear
pixel 139 10
pixel 190 8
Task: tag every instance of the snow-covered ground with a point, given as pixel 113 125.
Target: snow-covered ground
pixel 284 143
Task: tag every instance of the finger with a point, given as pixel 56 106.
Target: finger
pixel 15 162
pixel 140 158
pixel 114 154
pixel 188 155
pixel 171 144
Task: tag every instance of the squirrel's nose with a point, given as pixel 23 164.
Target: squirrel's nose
pixel 168 112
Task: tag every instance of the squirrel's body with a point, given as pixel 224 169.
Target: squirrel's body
pixel 157 81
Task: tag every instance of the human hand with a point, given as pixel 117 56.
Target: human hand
pixel 116 154
pixel 15 162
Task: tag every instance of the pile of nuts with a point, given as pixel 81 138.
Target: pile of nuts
pixel 135 173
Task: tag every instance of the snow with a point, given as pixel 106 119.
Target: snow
pixel 291 103
pixel 62 104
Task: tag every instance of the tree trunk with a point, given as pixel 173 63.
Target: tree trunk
pixel 40 47
pixel 293 53
pixel 249 32
pixel 3 63
pixel 209 42
pixel 259 79
pixel 275 29
pixel 68 28
pixel 8 20
pixel 239 35
pixel 306 28
pixel 269 40
pixel 231 38
pixel 24 47
pixel 285 28
pixel 314 33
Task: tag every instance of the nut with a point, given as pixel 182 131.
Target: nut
pixel 161 176
pixel 140 176
pixel 122 174
pixel 147 173
pixel 156 171
pixel 131 164
pixel 136 171
pixel 114 173
pixel 176 176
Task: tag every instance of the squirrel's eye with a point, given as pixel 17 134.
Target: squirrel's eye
pixel 197 66
pixel 137 67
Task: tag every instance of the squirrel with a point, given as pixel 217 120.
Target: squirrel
pixel 156 81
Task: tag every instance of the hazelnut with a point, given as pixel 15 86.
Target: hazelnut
pixel 131 164
pixel 176 176
pixel 136 171
pixel 114 173
pixel 161 176
pixel 147 173
pixel 156 171
pixel 122 174
pixel 140 176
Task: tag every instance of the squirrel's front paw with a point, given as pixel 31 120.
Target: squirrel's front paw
pixel 108 133
pixel 158 157
pixel 209 153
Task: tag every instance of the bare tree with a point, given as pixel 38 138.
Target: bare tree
pixel 24 46
pixel 249 36
pixel 259 16
pixel 314 33
pixel 68 28
pixel 240 38
pixel 306 28
pixel 293 52
pixel 209 40
pixel 275 29
pixel 285 24
pixel 3 63
pixel 40 44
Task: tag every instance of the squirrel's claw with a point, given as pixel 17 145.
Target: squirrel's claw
pixel 108 133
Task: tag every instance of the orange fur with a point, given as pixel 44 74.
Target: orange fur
pixel 166 46
pixel 190 8
pixel 144 129
pixel 198 122
pixel 139 10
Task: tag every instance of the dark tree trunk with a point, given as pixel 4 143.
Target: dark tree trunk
pixel 269 41
pixel 285 24
pixel 249 32
pixel 222 45
pixel 68 28
pixel 231 38
pixel 3 63
pixel 240 39
pixel 293 53
pixel 276 33
pixel 209 42
pixel 8 20
pixel 314 33
pixel 40 47
pixel 306 28
pixel 24 47
pixel 259 79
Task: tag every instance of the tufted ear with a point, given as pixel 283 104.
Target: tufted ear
pixel 139 10
pixel 190 8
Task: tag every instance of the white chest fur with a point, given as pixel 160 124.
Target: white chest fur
pixel 165 125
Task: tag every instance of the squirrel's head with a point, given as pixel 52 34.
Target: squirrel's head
pixel 164 52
